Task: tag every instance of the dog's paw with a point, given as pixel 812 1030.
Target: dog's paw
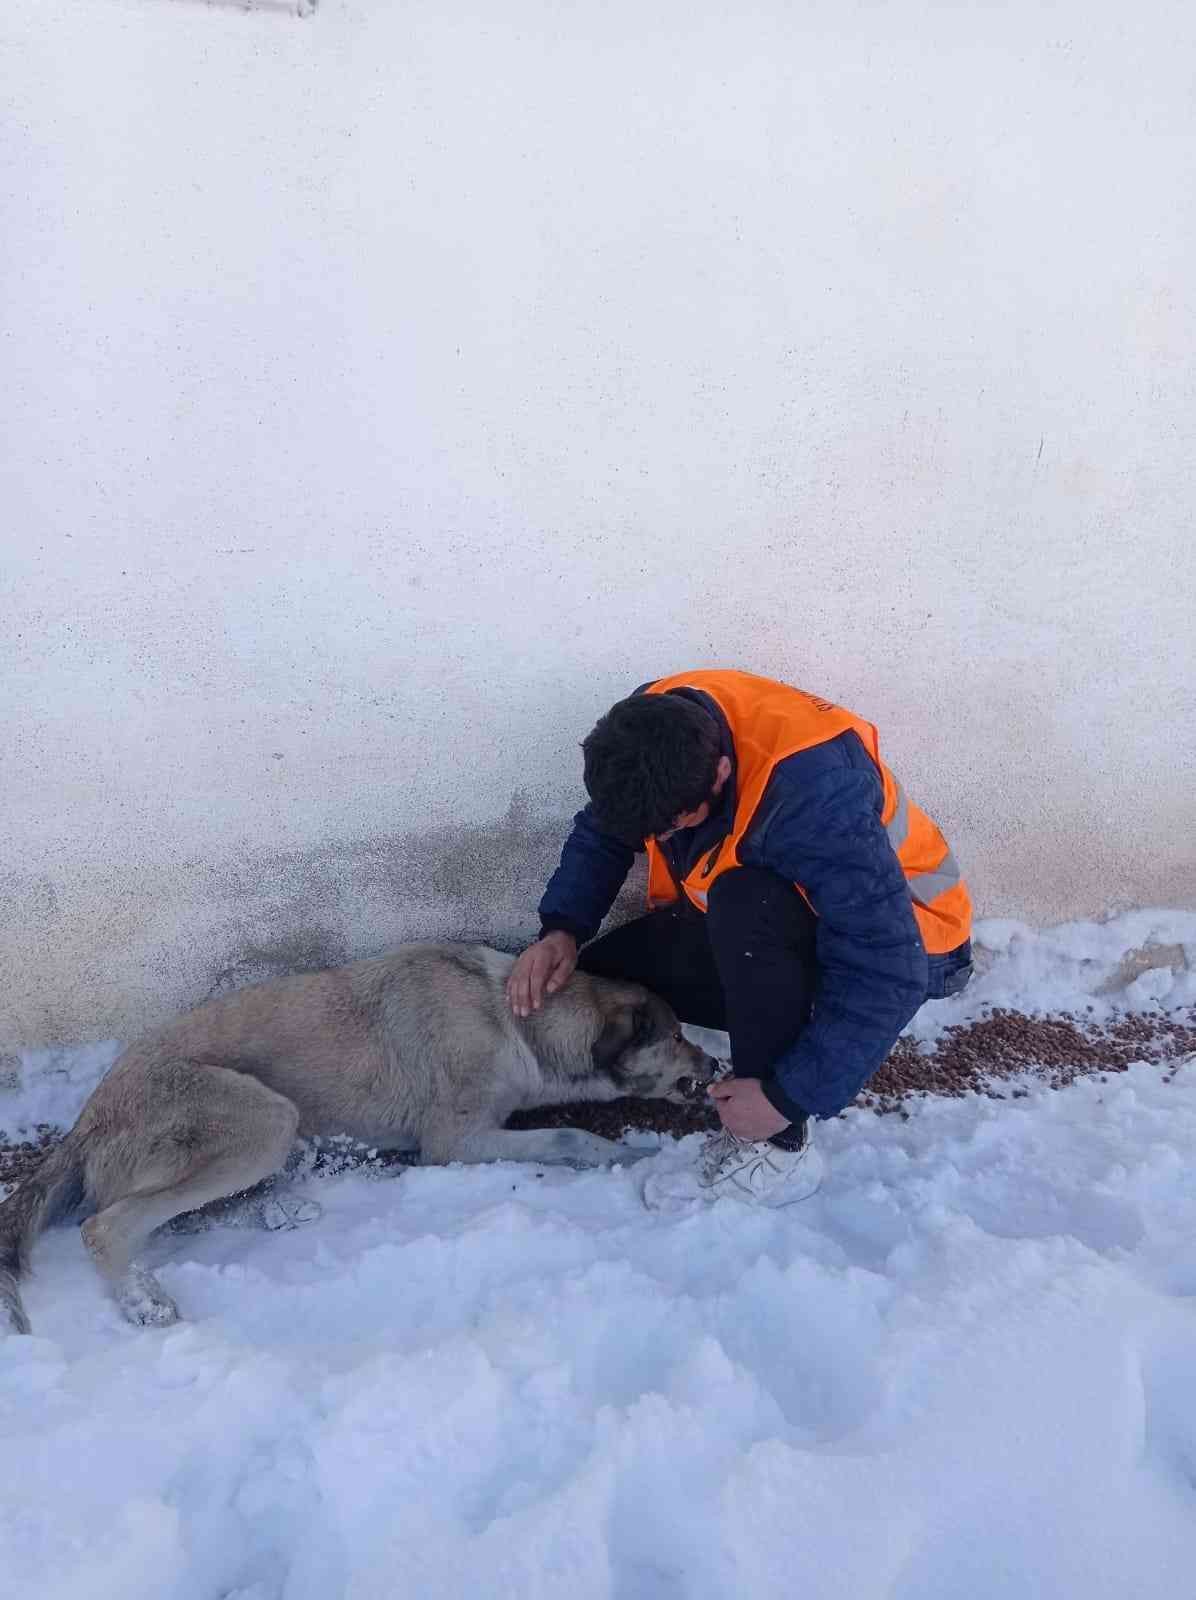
pixel 144 1302
pixel 279 1214
pixel 273 1212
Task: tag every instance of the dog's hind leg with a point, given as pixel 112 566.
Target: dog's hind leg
pixel 225 1132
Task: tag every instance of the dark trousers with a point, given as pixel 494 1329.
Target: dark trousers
pixel 745 965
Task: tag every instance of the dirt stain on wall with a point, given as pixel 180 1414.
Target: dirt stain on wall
pixel 120 952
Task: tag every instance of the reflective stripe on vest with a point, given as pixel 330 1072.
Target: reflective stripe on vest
pixel 897 827
pixel 927 886
pixel 924 887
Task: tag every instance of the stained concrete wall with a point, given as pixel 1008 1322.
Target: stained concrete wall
pixel 389 390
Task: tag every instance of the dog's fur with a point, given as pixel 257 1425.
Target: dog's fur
pixel 414 1050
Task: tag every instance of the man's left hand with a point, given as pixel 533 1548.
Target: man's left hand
pixel 745 1110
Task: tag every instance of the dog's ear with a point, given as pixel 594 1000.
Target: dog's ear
pixel 627 1026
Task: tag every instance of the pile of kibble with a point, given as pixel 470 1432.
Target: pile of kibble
pixel 975 1057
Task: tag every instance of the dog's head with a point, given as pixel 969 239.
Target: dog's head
pixel 642 1051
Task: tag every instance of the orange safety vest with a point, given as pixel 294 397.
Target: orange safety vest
pixel 770 721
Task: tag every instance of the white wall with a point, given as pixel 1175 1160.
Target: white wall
pixel 389 390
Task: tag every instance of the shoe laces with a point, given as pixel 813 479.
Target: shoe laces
pixel 715 1150
pixel 722 1149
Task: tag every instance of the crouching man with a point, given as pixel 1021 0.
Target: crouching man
pixel 797 899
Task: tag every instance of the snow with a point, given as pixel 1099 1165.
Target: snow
pixel 964 1367
pixel 50 1085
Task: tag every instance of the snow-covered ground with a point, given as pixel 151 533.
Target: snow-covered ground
pixel 966 1367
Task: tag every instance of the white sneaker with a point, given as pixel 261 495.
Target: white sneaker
pixel 758 1171
pixel 751 1170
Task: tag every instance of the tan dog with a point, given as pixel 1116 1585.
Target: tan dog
pixel 414 1050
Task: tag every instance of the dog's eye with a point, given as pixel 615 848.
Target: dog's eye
pixel 678 1037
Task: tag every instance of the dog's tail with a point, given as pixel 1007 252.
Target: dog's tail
pixel 54 1188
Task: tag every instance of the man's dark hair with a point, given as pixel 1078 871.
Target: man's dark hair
pixel 648 759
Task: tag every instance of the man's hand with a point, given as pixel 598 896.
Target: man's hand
pixel 745 1110
pixel 542 969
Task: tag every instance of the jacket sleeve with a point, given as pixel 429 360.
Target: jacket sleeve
pixel 582 890
pixel 820 826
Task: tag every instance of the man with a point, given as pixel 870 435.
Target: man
pixel 797 898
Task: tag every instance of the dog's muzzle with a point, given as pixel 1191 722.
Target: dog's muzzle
pixel 693 1084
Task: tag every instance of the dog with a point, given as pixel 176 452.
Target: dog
pixel 416 1050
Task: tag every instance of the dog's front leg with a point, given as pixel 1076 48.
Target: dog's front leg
pixel 564 1146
